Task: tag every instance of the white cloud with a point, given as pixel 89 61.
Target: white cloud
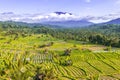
pixel 53 15
pixel 99 20
pixel 105 18
pixel 36 18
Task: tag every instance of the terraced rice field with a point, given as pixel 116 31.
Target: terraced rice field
pixel 104 66
pixel 86 65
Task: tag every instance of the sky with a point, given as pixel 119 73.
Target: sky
pixel 43 9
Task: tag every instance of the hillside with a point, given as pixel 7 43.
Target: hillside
pixel 114 21
pixel 70 23
pixel 106 29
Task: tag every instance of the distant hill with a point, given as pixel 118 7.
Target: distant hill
pixel 70 23
pixel 21 23
pixel 29 24
pixel 55 24
pixel 115 21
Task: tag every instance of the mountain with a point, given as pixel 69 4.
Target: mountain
pixel 115 21
pixel 59 13
pixel 58 17
pixel 69 23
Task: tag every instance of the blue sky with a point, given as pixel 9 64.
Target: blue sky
pixel 77 7
pixel 88 7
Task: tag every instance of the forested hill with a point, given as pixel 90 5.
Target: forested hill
pixel 106 29
pixel 104 34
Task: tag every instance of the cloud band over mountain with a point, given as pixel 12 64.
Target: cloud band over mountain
pixel 55 16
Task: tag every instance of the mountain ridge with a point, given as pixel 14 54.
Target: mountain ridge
pixel 114 21
pixel 65 24
pixel 70 23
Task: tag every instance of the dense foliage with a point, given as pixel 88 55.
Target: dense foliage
pixel 107 35
pixel 104 34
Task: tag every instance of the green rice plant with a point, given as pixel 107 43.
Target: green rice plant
pixel 16 66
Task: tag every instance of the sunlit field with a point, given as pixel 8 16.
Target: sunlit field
pixel 21 58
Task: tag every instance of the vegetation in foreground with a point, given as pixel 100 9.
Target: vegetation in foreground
pixel 28 56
